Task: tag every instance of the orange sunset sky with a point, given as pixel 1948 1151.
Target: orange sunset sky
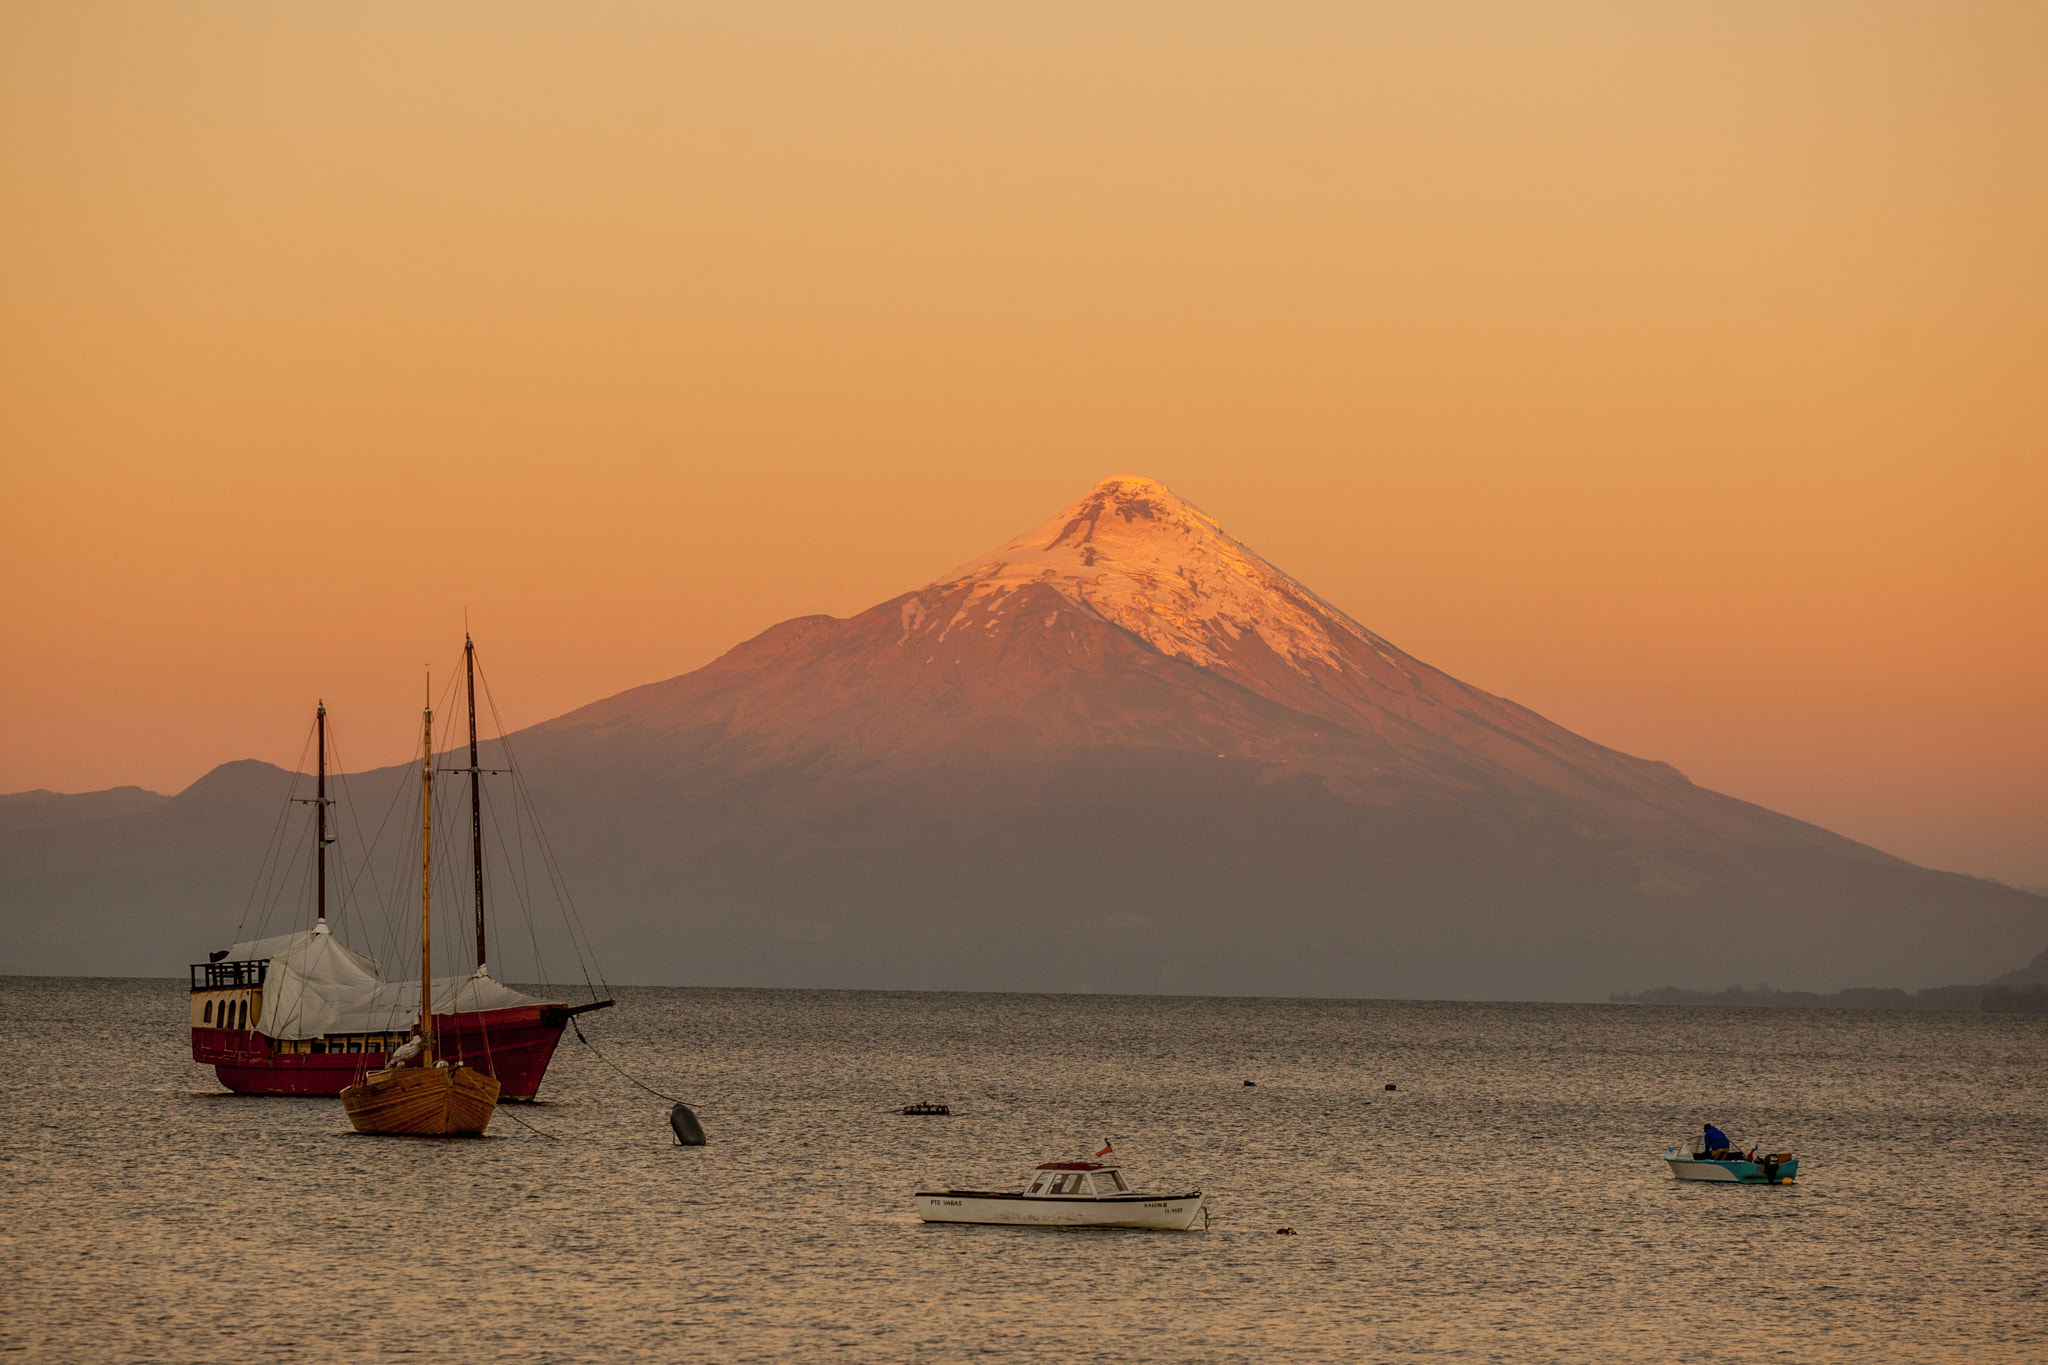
pixel 1680 371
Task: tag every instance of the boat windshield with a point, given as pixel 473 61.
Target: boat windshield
pixel 1076 1182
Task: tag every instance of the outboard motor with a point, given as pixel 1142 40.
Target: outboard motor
pixel 689 1132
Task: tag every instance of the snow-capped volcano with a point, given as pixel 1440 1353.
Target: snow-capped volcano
pixel 1123 751
pixel 1167 572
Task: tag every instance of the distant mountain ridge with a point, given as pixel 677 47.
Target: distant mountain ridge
pixel 43 809
pixel 1124 752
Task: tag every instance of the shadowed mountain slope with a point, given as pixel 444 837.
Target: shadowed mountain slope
pixel 117 883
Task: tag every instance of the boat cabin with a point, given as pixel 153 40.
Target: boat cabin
pixel 1076 1180
pixel 227 1009
pixel 227 995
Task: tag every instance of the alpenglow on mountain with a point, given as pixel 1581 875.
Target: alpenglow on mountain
pixel 1130 620
pixel 1123 752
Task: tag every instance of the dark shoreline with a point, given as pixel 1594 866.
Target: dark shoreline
pixel 2023 999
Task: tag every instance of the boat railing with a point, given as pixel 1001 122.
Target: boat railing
pixel 214 976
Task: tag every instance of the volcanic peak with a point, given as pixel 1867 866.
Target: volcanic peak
pixel 1155 565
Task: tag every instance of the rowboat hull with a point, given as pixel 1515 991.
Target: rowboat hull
pixel 1175 1213
pixel 434 1101
pixel 1734 1172
pixel 512 1045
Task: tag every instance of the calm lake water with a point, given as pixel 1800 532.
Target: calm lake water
pixel 1505 1203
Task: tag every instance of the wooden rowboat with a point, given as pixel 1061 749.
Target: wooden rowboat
pixel 439 1101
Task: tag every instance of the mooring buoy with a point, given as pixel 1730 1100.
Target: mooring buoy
pixel 689 1132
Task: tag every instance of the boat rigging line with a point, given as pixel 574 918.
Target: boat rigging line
pixel 269 874
pixel 363 877
pixel 616 1067
pixel 579 935
pixel 507 1113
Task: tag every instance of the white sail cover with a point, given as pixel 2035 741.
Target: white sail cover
pixel 315 987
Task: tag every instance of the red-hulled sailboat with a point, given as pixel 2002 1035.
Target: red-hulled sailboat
pixel 302 1014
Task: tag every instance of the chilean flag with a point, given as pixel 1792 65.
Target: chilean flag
pixel 1108 1148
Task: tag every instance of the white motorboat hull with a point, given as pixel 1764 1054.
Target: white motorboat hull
pixel 1699 1170
pixel 1735 1171
pixel 1175 1213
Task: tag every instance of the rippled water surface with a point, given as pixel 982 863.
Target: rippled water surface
pixel 1504 1203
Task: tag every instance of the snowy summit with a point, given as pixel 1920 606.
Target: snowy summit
pixel 1137 556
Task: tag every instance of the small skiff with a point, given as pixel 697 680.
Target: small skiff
pixel 1779 1168
pixel 1067 1194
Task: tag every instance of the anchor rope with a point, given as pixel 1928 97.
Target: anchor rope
pixel 527 1126
pixel 616 1067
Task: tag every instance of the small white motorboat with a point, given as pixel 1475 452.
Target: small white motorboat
pixel 1713 1157
pixel 1067 1194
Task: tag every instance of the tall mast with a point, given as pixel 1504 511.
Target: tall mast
pixel 320 815
pixel 476 819
pixel 427 883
